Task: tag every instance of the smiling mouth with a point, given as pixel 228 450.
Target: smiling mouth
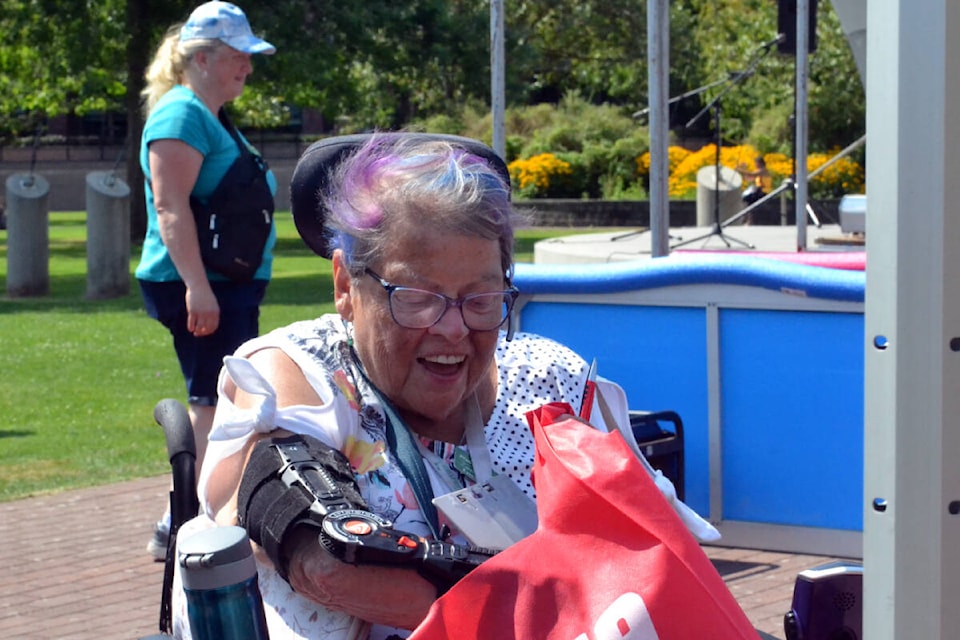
pixel 444 365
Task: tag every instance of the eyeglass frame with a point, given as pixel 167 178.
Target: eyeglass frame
pixel 509 294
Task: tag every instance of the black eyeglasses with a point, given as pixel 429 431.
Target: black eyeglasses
pixel 418 309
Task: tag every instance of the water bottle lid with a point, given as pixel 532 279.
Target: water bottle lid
pixel 215 558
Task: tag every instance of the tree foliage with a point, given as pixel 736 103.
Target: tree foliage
pixel 58 57
pixel 388 63
pixel 727 36
pixel 596 47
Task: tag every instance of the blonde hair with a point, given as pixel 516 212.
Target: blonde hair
pixel 168 65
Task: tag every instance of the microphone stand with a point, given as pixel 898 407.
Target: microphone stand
pixel 643 113
pixel 715 105
pixel 689 94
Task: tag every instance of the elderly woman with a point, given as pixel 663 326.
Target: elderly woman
pixel 420 233
pixel 186 150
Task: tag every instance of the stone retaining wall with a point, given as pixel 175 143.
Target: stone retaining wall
pixel 636 213
pixel 68 187
pixel 68 193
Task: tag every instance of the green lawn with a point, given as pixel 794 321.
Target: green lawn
pixel 80 378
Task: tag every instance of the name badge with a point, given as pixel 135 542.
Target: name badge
pixel 493 514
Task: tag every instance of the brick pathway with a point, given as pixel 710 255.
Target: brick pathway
pixel 74 564
pixel 74 567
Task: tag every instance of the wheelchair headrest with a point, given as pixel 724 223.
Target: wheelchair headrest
pixel 310 183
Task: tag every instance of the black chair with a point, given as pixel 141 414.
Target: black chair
pixel 659 434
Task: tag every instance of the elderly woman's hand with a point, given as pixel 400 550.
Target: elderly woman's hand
pixel 383 595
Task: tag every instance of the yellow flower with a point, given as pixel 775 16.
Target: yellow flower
pixel 675 155
pixel 843 176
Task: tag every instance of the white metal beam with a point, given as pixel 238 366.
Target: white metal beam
pixel 912 351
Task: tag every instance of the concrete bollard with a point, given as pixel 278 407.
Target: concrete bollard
pixel 729 194
pixel 108 236
pixel 28 250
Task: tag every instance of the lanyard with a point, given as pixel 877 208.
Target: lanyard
pixel 475 462
pixel 405 448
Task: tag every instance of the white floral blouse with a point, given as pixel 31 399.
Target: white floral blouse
pixel 532 371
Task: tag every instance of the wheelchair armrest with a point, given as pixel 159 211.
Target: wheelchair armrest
pixel 173 418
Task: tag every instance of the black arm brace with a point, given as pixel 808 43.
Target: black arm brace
pixel 298 480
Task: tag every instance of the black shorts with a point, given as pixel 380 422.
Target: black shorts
pixel 201 358
pixel 751 194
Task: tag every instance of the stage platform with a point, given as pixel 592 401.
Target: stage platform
pixel 756 349
pixel 619 246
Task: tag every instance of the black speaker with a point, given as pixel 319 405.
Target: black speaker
pixel 827 604
pixel 787 25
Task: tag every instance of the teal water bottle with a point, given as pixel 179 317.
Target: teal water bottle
pixel 220 583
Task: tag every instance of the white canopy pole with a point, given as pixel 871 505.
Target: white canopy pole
pixel 911 522
pixel 658 74
pixel 497 78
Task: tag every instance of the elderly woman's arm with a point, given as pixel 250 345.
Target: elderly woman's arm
pixel 383 595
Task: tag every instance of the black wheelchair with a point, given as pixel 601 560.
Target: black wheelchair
pixel 173 418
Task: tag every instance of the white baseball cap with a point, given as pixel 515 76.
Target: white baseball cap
pixel 227 23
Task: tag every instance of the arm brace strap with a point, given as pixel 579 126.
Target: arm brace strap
pixel 298 480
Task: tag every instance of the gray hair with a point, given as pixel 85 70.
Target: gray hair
pixel 392 181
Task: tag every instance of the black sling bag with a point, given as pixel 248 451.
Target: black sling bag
pixel 233 226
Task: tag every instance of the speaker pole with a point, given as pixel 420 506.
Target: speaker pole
pixel 802 73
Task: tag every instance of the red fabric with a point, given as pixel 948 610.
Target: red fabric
pixel 609 560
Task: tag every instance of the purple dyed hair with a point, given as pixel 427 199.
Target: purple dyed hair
pixel 393 180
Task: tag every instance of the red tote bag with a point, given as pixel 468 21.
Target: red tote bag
pixel 609 560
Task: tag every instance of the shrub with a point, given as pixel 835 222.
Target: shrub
pixel 600 142
pixel 539 176
pixel 844 176
pixel 439 124
pixel 579 150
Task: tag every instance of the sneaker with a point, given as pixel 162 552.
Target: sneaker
pixel 157 547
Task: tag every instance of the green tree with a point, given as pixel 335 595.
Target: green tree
pixel 594 47
pixel 48 66
pixel 386 63
pixel 64 57
pixel 726 39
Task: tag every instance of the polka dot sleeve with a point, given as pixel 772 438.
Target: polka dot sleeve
pixel 533 371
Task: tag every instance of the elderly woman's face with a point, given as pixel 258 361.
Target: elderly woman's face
pixel 426 372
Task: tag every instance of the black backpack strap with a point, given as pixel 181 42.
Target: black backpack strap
pixel 235 134
pixel 232 130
